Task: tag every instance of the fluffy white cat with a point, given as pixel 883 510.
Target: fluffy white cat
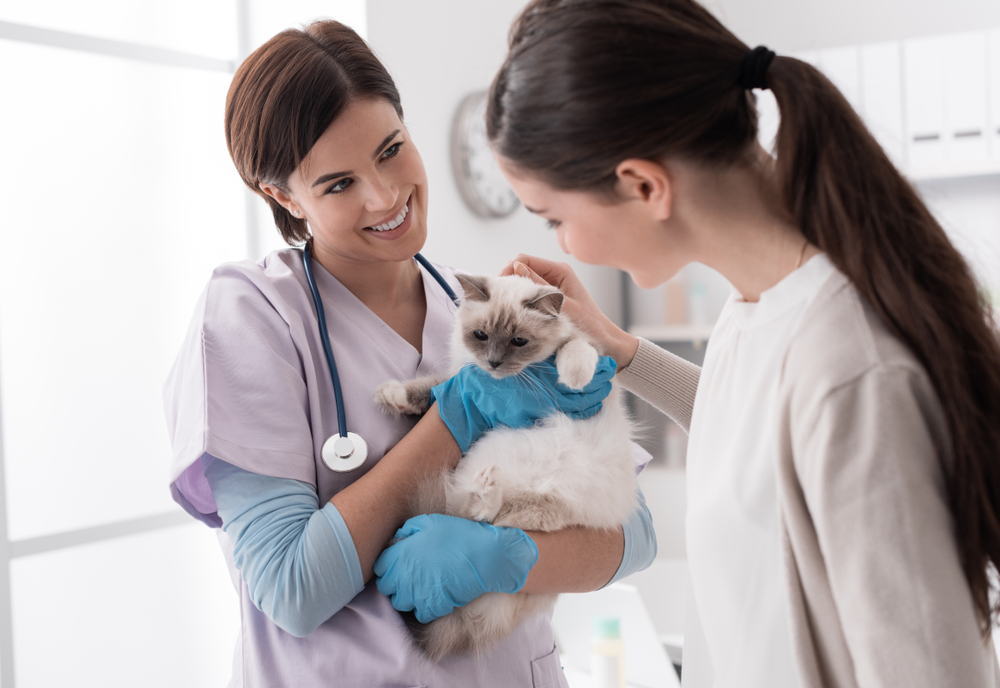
pixel 559 473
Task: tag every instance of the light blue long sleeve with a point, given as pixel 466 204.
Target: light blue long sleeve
pixel 640 541
pixel 298 560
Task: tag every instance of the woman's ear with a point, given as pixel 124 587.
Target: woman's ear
pixel 280 196
pixel 649 182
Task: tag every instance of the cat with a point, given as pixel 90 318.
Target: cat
pixel 559 473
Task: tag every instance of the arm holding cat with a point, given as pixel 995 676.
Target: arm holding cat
pixel 666 381
pixel 581 559
pixel 442 562
pixel 304 562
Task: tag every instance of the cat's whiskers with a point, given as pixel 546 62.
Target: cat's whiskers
pixel 535 385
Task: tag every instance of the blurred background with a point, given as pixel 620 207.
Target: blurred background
pixel 120 198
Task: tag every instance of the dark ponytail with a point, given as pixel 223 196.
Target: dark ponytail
pixel 850 201
pixel 589 83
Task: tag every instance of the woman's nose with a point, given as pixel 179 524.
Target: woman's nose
pixel 383 195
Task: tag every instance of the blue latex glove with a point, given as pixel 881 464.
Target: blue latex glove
pixel 442 562
pixel 473 401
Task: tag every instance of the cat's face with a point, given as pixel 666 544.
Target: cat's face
pixel 507 323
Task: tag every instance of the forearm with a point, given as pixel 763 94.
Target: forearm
pixel 575 559
pixel 586 559
pixel 297 560
pixel 375 506
pixel 666 381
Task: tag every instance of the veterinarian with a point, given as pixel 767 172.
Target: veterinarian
pixel 314 125
pixel 843 471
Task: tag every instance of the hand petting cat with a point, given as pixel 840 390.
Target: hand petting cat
pixel 579 305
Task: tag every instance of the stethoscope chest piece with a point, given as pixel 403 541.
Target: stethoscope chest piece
pixel 344 454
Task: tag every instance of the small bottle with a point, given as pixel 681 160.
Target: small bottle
pixel 607 655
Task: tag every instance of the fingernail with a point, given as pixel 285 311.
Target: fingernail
pixel 520 268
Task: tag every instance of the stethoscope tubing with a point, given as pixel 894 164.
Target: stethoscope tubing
pixel 325 334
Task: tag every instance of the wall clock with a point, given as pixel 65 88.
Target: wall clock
pixel 477 173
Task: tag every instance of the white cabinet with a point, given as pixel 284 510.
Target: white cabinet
pixel 993 75
pixel 882 97
pixel 932 103
pixel 924 96
pixel 965 97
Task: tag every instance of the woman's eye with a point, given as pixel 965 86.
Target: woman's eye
pixel 480 335
pixel 392 151
pixel 518 341
pixel 553 224
pixel 340 186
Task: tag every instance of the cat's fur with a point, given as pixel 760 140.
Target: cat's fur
pixel 559 473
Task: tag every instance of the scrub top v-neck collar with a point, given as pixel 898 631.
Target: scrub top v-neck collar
pixel 409 361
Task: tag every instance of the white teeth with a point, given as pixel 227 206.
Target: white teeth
pixel 392 224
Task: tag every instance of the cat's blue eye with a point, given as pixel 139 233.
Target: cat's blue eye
pixel 480 335
pixel 553 224
pixel 518 341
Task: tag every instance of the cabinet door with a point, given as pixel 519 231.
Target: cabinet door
pixel 882 96
pixel 965 97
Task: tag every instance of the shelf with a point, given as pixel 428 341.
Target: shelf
pixel 953 170
pixel 673 333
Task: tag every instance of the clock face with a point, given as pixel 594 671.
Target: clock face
pixel 477 173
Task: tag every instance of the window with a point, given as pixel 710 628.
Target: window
pixel 119 199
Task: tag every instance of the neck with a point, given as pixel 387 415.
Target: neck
pixel 380 285
pixel 741 226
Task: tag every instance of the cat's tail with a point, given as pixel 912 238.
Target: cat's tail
pixel 480 625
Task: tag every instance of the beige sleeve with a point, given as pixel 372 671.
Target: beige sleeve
pixel 868 465
pixel 666 381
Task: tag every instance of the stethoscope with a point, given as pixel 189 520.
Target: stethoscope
pixel 346 451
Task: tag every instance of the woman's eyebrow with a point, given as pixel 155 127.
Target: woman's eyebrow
pixel 536 212
pixel 385 142
pixel 333 175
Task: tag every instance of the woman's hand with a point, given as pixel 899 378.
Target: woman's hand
pixel 473 401
pixel 441 562
pixel 579 305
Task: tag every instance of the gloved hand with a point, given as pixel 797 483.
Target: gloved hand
pixel 442 562
pixel 473 401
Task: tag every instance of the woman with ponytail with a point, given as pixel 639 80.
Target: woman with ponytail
pixel 844 455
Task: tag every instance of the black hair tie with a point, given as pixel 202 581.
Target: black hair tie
pixel 754 68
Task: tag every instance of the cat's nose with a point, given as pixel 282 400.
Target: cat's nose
pixel 495 364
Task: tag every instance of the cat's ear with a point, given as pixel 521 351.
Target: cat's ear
pixel 475 287
pixel 550 303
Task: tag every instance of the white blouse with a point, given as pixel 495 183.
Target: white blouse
pixel 733 534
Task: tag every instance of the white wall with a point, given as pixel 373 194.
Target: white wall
pixel 439 51
pixel 793 25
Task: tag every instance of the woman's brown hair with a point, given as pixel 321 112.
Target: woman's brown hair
pixel 286 94
pixel 589 83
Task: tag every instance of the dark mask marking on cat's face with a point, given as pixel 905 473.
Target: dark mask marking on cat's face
pixel 507 331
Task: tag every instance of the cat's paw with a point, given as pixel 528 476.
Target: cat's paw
pixel 393 397
pixel 487 496
pixel 576 361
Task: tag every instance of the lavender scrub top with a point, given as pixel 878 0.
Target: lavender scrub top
pixel 251 386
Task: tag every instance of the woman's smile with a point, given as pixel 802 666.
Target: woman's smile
pixel 395 227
